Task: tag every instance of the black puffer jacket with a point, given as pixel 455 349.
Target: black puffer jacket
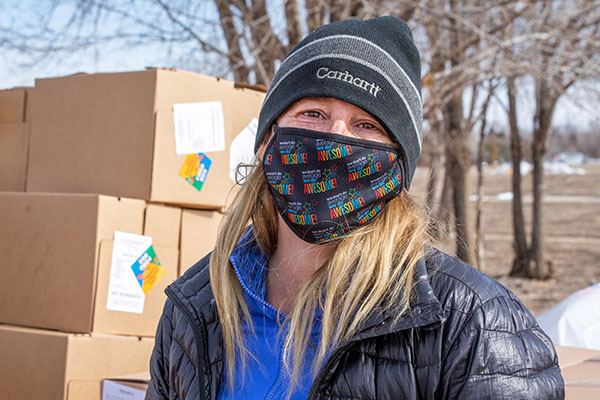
pixel 467 337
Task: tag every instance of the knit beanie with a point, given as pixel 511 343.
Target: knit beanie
pixel 371 64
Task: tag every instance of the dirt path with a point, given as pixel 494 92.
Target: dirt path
pixel 547 199
pixel 592 241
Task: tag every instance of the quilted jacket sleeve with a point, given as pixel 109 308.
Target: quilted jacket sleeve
pixel 158 388
pixel 501 353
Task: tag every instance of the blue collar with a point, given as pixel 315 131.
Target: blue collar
pixel 250 265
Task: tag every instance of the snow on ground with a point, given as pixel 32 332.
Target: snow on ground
pixel 552 168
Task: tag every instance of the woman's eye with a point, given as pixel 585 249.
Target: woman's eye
pixel 312 114
pixel 369 126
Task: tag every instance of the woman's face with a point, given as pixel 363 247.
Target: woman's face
pixel 326 114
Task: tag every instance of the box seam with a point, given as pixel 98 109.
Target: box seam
pixel 94 296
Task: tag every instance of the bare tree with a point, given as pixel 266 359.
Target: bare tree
pixel 565 49
pixel 464 43
pixel 479 242
pixel 520 246
pixel 461 53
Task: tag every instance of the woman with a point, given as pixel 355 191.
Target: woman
pixel 333 291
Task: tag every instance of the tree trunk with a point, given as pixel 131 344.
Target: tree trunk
pixel 315 12
pixel 479 243
pixel 292 18
pixel 457 168
pixel 521 260
pixel 233 39
pixel 266 45
pixel 444 210
pixel 458 158
pixel 540 268
pixel 457 165
pixel 436 166
pixel 343 9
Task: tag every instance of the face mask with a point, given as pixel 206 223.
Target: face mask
pixel 325 184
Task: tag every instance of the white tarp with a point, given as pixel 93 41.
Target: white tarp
pixel 575 321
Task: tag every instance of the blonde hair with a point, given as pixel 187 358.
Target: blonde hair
pixel 371 268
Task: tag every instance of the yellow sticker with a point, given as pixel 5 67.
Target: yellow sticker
pixel 190 167
pixel 152 274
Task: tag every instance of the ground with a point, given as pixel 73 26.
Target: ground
pixel 572 232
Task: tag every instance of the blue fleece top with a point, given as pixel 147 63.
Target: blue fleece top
pixel 265 376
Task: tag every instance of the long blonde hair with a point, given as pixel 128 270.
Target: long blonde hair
pixel 371 268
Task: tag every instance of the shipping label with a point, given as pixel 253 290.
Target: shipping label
pixel 199 127
pixel 124 291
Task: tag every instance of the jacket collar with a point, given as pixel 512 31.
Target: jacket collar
pixel 424 310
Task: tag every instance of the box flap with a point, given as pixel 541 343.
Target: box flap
pixel 14 141
pixel 100 356
pixel 121 214
pixel 198 236
pixel 140 377
pixel 29 103
pixel 585 373
pixel 163 223
pixel 568 356
pixel 12 105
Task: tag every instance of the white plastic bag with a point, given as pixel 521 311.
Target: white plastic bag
pixel 575 321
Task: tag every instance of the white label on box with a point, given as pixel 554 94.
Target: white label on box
pixel 199 127
pixel 124 291
pixel 117 391
pixel 241 150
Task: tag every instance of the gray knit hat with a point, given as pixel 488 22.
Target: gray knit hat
pixel 372 64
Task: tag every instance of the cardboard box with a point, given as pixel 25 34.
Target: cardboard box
pixel 198 236
pixel 114 134
pixel 40 364
pixel 128 387
pixel 581 372
pixel 57 261
pixel 14 141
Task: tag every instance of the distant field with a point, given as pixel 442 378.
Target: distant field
pixel 572 227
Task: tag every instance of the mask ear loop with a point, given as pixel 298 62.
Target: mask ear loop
pixel 243 170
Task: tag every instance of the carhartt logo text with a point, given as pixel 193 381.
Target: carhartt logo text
pixel 345 76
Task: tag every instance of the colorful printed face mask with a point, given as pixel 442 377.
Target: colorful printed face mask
pixel 325 184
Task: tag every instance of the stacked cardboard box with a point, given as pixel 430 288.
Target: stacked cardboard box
pixel 581 370
pixel 44 364
pixel 107 175
pixel 58 261
pixel 59 274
